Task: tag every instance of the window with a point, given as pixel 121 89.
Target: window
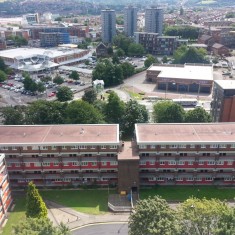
pixel 113 163
pixel 25 148
pixel 84 163
pixel 82 146
pixel 93 147
pixel 192 146
pixel 4 148
pixel 56 163
pixel 209 179
pixel 162 163
pixel 46 163
pixel 198 179
pixel 206 154
pixel 74 147
pixel 213 146
pixel 190 179
pixel 160 179
pixel 151 178
pixel 94 163
pixel 37 164
pixel 27 164
pixel 142 146
pixel 232 146
pixel 174 146
pixel 9 164
pixel 53 147
pixel 181 163
pixel 152 146
pixel 17 164
pixel 65 163
pixel 13 148
pixel 182 146
pixel 151 162
pixel 228 179
pixel 67 179
pixel 113 147
pixel 220 162
pixel 163 146
pixel 223 146
pixel 203 146
pixel 179 179
pixel 229 162
pixel 44 147
pixel 35 147
pixel 201 162
pixel 143 163
pixel 103 163
pixel 190 162
pixel 75 163
pixel 171 162
pixel 210 163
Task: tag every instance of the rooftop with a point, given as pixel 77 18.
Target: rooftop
pixel 28 52
pixel 187 71
pixel 185 133
pixel 226 84
pixel 59 134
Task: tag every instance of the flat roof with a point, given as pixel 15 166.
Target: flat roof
pixel 59 134
pixel 190 133
pixel 226 84
pixel 28 52
pixel 187 71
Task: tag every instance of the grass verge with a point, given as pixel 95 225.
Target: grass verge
pixel 15 216
pixel 87 201
pixel 181 193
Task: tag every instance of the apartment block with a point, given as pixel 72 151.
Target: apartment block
pixel 108 22
pixel 5 192
pixel 154 20
pixel 53 39
pixel 159 45
pixel 130 20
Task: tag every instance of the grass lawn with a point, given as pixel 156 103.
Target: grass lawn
pixel 133 94
pixel 181 193
pixel 15 216
pixel 87 201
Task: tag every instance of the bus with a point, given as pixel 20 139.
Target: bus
pixel 186 102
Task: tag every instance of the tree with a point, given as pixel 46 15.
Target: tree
pixel 110 50
pixel 81 112
pixel 46 79
pixel 149 61
pixel 90 95
pixel 35 206
pixel 203 216
pixel 189 55
pixel 164 59
pixel 13 115
pixel 110 73
pixel 189 32
pixel 75 21
pixel 197 115
pixel 58 80
pixel 18 40
pixel 128 69
pixel 74 75
pixel 46 112
pixel 168 112
pixel 40 87
pixel 42 226
pixel 153 216
pixel 115 59
pixel 3 66
pixel 114 109
pixel 58 18
pixel 64 94
pixel 3 76
pixel 135 49
pixel 122 42
pixel 133 113
pixel 120 52
pixel 30 84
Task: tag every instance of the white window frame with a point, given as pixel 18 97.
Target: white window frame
pixel 17 164
pixel 64 147
pixel 27 164
pixel 163 146
pixel 210 163
pixel 4 148
pixel 190 163
pixel 232 146
pixel 103 163
pixel 152 146
pixel 53 147
pixel 201 162
pixel 203 146
pixel 214 146
pixel 55 163
pixel 142 163
pixel 93 147
pixel 152 163
pixel 84 163
pixel 162 163
pixel 82 147
pixel 74 147
pixel 220 163
pixel 13 148
pixel 192 146
pixel 113 163
pixel 103 146
pixel 174 146
pixel 75 163
pixel 113 146
pixel 229 163
pixel 141 146
pixel 37 164
pixel 35 147
pixel 44 148
pixel 182 146
pixel 181 162
pixel 46 163
pixel 172 162
pixel 223 146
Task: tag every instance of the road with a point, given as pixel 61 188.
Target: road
pixel 103 229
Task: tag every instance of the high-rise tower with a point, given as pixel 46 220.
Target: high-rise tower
pixel 130 20
pixel 154 20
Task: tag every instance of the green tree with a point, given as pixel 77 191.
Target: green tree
pixel 168 112
pixel 42 226
pixel 90 95
pixel 188 32
pixel 81 112
pixel 58 80
pixel 203 216
pixel 35 206
pixel 122 42
pixel 110 50
pixel 134 113
pixel 197 115
pixel 13 115
pixel 114 109
pixel 3 66
pixel 40 87
pixel 153 216
pixel 128 69
pixel 150 60
pixel 3 76
pixel 164 59
pixel 74 75
pixel 115 59
pixel 18 40
pixel 135 49
pixel 46 112
pixel 120 52
pixel 230 15
pixel 58 18
pixel 30 84
pixel 46 79
pixel 64 93
pixel 189 55
pixel 108 72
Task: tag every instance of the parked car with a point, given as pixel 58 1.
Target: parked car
pixel 51 94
